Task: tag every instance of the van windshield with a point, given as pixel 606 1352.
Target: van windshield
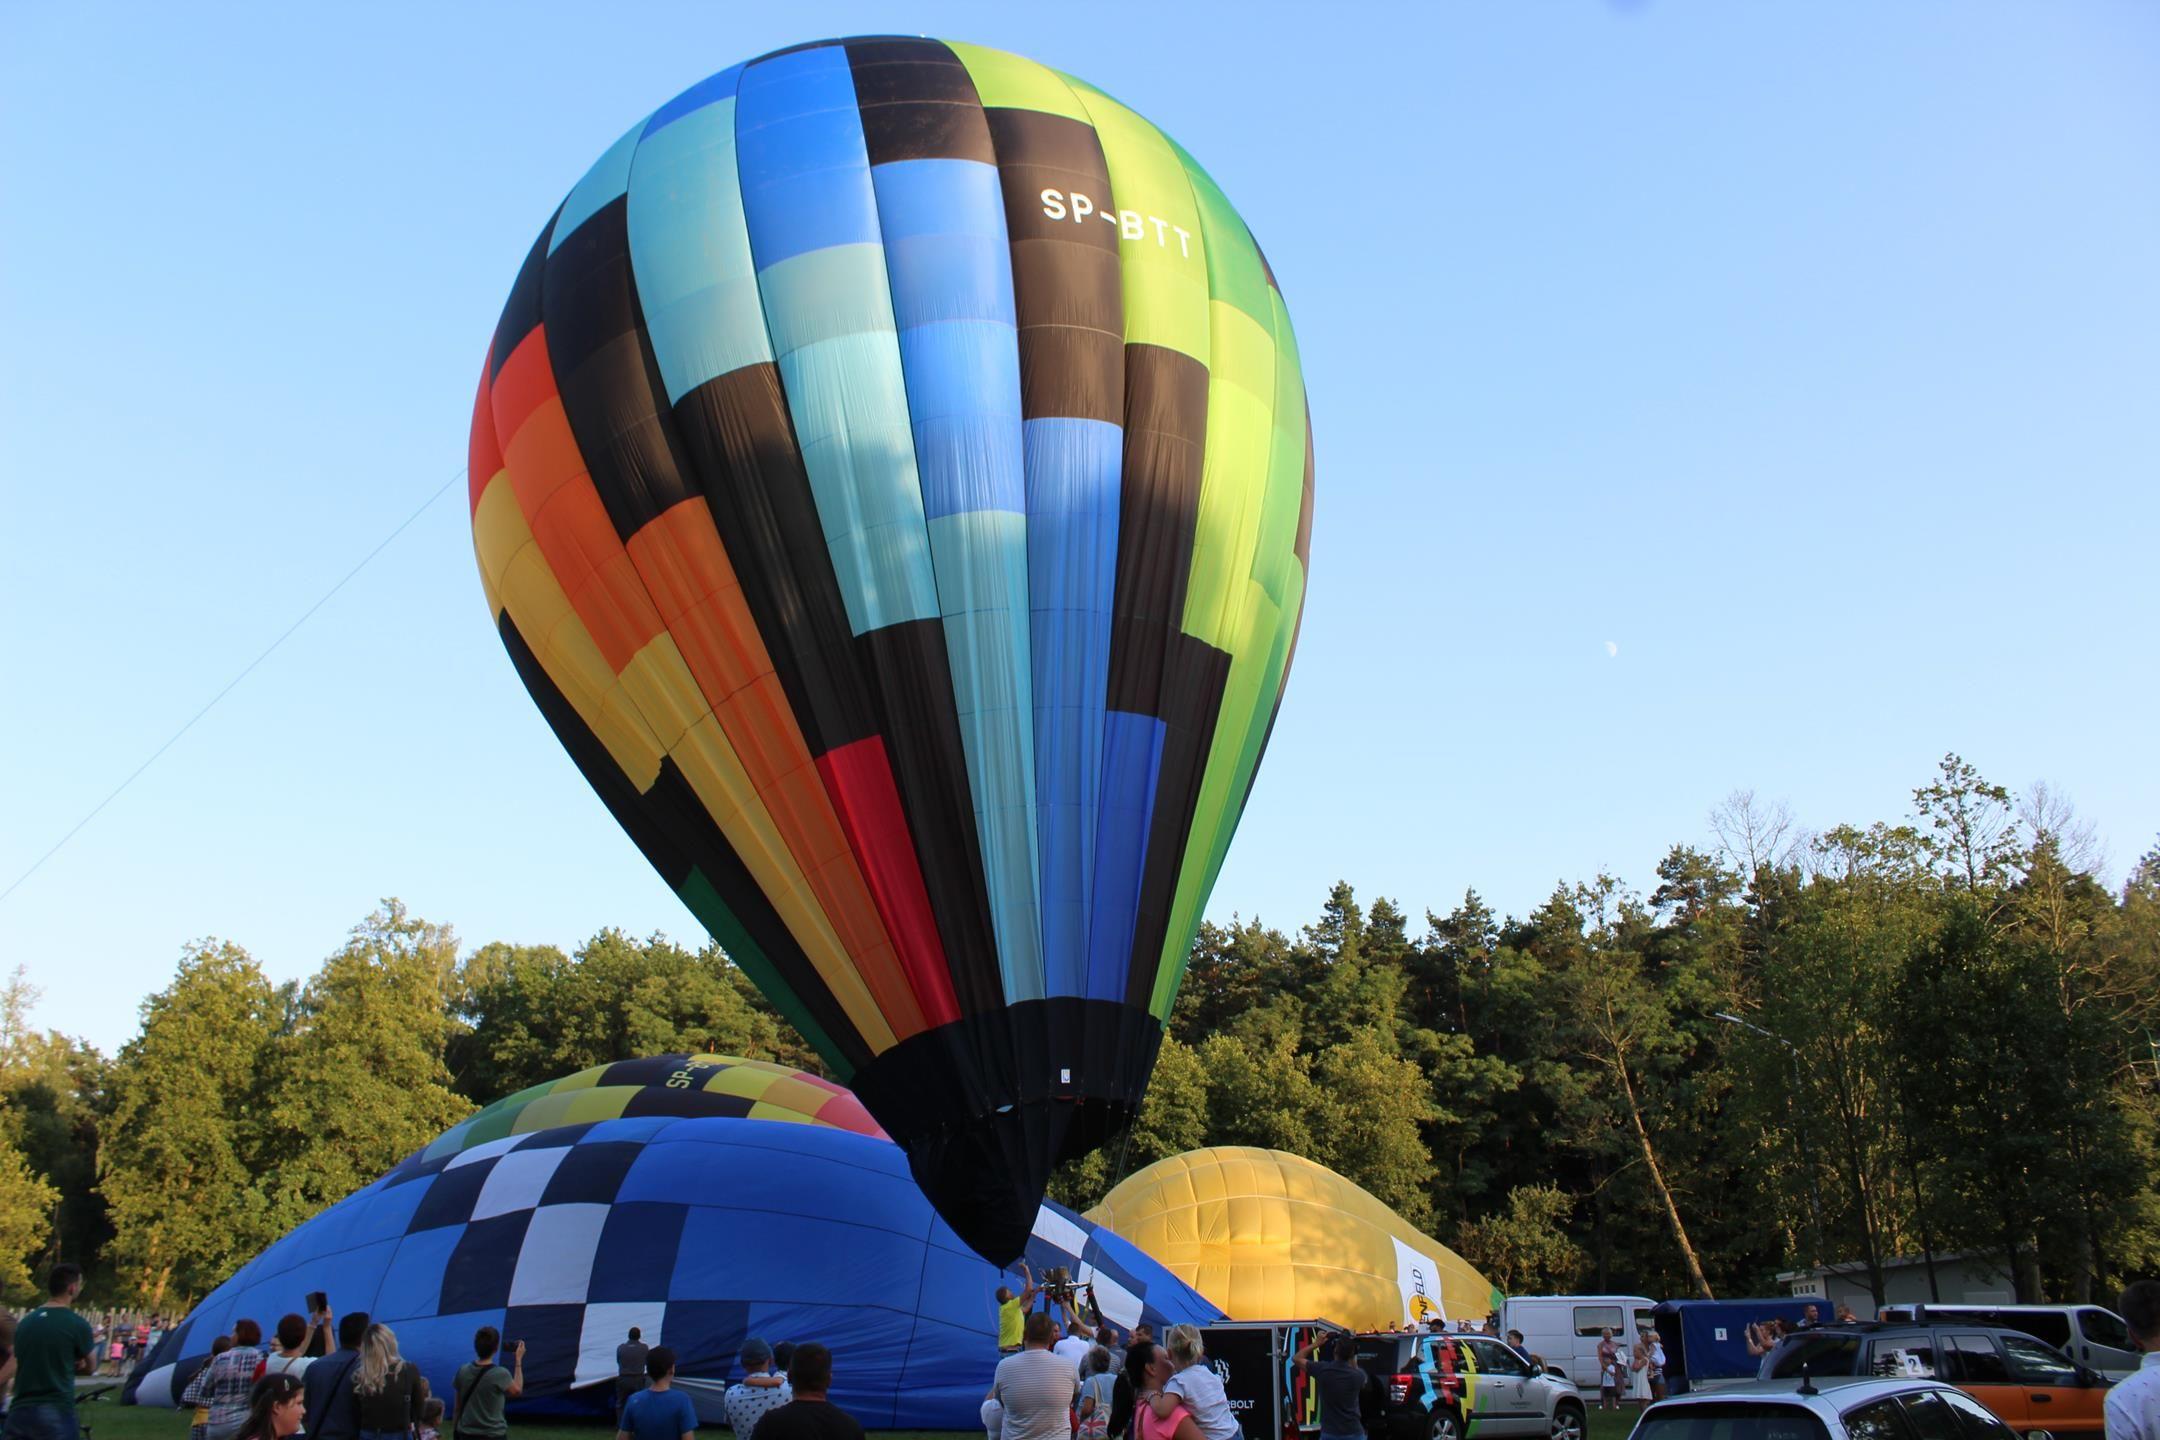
pixel 1730 1420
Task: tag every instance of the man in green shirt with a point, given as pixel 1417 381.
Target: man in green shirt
pixel 53 1345
pixel 483 1386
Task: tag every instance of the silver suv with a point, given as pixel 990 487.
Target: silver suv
pixel 1439 1385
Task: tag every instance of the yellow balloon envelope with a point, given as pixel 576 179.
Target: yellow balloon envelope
pixel 1268 1235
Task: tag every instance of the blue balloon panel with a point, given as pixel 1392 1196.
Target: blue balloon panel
pixel 701 1232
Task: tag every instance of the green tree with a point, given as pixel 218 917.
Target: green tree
pixel 177 1163
pixel 27 1206
pixel 1972 833
pixel 531 1014
pixel 1525 1249
pixel 1370 1105
pixel 359 1083
pixel 1617 1022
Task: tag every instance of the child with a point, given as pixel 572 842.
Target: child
pixel 431 1413
pixel 199 1427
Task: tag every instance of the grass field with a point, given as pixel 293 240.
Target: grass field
pixel 139 1422
pixel 108 1421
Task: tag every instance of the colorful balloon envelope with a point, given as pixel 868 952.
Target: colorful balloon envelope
pixel 891 478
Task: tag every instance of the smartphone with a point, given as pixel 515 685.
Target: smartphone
pixel 317 1302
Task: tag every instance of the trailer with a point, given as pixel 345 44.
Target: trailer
pixel 1253 1358
pixel 1706 1340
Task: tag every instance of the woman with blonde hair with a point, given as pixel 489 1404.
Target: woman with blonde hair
pixel 387 1388
pixel 1196 1386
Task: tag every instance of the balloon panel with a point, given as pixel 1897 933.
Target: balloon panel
pixel 1265 1234
pixel 661 1085
pixel 700 1231
pixel 891 477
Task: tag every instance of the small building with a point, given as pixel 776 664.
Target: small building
pixel 1962 1277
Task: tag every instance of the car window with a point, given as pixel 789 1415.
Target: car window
pixel 1493 1358
pixel 1978 1361
pixel 1381 1354
pixel 1931 1416
pixel 1877 1420
pixel 1729 1420
pixel 1909 1357
pixel 1590 1319
pixel 2036 1364
pixel 1980 1422
pixel 2053 1326
pixel 1835 1354
pixel 2104 1327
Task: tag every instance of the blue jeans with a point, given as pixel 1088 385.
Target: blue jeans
pixel 42 1422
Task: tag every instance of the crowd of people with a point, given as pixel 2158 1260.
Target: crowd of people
pixel 293 1382
pixel 1069 1379
pixel 1061 1375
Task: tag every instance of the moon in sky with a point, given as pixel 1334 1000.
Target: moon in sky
pixel 1612 649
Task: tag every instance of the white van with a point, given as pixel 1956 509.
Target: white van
pixel 2094 1337
pixel 1563 1330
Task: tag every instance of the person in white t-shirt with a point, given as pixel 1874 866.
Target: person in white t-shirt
pixel 1036 1389
pixel 1073 1343
pixel 1196 1383
pixel 2133 1405
pixel 289 1356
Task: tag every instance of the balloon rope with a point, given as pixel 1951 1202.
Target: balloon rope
pixel 1124 1144
pixel 268 650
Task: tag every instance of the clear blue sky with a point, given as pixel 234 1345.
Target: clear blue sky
pixel 1808 352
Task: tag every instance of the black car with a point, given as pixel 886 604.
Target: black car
pixel 1432 1385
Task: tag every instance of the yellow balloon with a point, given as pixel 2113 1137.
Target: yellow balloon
pixel 1268 1235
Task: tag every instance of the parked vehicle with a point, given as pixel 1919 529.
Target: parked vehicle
pixel 2088 1334
pixel 1267 1394
pixel 1563 1330
pixel 1706 1340
pixel 1438 1385
pixel 1834 1410
pixel 2036 1389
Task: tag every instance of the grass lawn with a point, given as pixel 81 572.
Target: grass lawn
pixel 109 1421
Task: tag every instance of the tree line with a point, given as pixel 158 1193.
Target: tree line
pixel 1905 1039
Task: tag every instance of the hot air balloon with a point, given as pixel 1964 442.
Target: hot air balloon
pixel 1264 1233
pixel 891 479
pixel 622 1196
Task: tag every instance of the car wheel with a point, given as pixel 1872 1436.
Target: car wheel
pixel 1567 1421
pixel 2039 1435
pixel 1446 1425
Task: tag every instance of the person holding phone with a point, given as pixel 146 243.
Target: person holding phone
pixel 289 1349
pixel 484 1386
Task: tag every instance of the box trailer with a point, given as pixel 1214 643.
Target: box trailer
pixel 1706 1340
pixel 1270 1398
